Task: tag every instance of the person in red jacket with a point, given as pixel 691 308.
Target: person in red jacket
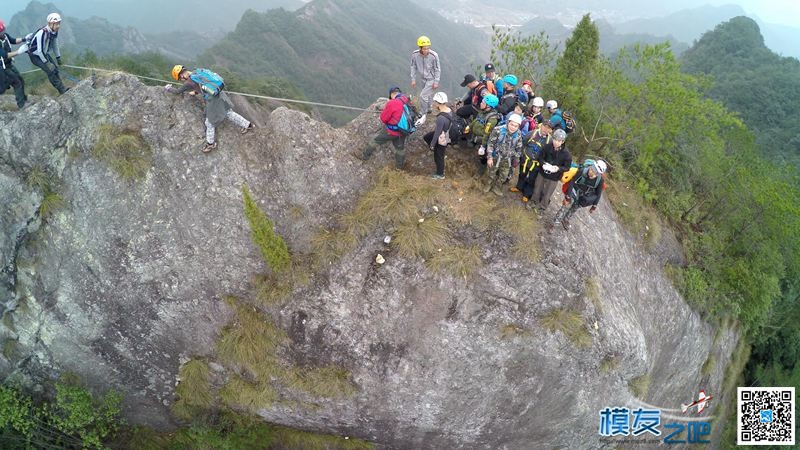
pixel 390 116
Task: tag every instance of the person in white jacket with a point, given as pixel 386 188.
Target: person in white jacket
pixel 425 62
pixel 41 44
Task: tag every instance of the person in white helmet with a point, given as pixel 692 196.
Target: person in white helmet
pixel 438 139
pixel 584 189
pixel 425 62
pixel 502 153
pixel 43 42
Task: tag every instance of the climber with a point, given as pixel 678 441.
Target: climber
pixel 510 98
pixel 468 108
pixel 555 115
pixel 534 116
pixel 9 75
pixel 527 87
pixel 489 73
pixel 425 62
pixel 218 105
pixel 390 116
pixel 554 160
pixel 532 144
pixel 39 45
pixel 481 128
pixel 502 153
pixel 584 189
pixel 438 139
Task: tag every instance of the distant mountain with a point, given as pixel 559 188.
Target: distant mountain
pixel 689 24
pixel 763 87
pixel 158 16
pixel 347 51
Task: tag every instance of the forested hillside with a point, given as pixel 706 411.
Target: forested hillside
pixel 748 78
pixel 349 51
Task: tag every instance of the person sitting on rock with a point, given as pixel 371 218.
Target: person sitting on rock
pixel 584 189
pixel 218 105
pixel 389 132
pixel 9 75
pixel 502 153
pixel 41 42
pixel 554 160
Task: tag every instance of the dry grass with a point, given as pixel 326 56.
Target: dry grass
pixel 328 246
pixel 51 202
pixel 457 260
pixel 125 151
pixel 639 386
pixel 570 323
pixel 510 330
pixel 593 292
pixel 609 364
pixel 524 228
pixel 240 393
pixel 709 365
pixel 194 390
pixel 328 382
pixel 292 439
pixel 274 288
pixel 421 239
pixel 250 341
pixel 470 207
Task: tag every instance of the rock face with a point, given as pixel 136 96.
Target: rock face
pixel 126 278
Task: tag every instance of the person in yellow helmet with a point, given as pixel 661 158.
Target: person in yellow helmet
pixel 218 105
pixel 425 62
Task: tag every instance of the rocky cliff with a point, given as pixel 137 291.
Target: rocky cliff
pixel 121 278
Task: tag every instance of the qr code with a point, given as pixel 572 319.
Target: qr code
pixel 765 416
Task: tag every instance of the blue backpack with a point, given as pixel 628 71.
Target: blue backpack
pixel 211 83
pixel 406 123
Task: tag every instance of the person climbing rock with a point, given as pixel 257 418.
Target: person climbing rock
pixel 584 189
pixel 218 105
pixel 438 139
pixel 41 43
pixel 390 116
pixel 554 160
pixel 503 152
pixel 9 75
pixel 425 62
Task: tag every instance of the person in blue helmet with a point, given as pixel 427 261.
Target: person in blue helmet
pixel 509 98
pixel 482 126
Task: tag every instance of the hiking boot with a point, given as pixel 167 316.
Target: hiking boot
pixel 565 224
pixel 525 199
pixel 529 206
pixel 249 128
pixel 497 191
pixel 488 187
pixel 513 189
pixel 208 147
pixel 420 121
pixel 437 176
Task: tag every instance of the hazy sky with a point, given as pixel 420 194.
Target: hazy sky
pixel 784 12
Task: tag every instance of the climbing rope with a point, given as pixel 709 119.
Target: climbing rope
pixel 243 94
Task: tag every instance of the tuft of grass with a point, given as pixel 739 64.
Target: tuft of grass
pixel 251 341
pixel 38 178
pixel 639 386
pixel 252 395
pixel 709 365
pixel 570 323
pixel 328 246
pixel 194 390
pixel 292 439
pixel 8 320
pixel 592 285
pixel 9 348
pixel 469 207
pixel 609 364
pixel 421 239
pixel 458 260
pixel 524 228
pixel 124 151
pixel 635 214
pixel 510 330
pixel 51 202
pixel 328 382
pixel 273 248
pixel 273 288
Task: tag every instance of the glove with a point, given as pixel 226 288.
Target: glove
pixel 22 49
pixel 593 208
pixel 515 163
pixel 482 151
pixel 58 60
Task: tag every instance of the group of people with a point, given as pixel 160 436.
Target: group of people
pixel 505 121
pixel 41 46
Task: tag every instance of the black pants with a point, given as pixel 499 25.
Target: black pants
pixel 526 181
pixel 466 111
pixel 10 77
pixel 438 152
pixel 52 72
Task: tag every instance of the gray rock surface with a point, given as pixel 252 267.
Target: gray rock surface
pixel 127 278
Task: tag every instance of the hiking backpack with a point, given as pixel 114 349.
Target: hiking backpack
pixel 569 121
pixel 457 126
pixel 210 83
pixel 406 123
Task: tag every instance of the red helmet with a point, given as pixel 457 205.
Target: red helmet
pixel 2 26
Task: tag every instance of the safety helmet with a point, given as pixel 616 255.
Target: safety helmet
pixel 176 71
pixel 2 26
pixel 53 17
pixel 600 166
pixel 510 79
pixel 516 118
pixel 491 100
pixel 528 82
pixel 538 101
pixel 440 97
pixel 559 135
pixel 552 104
pixel 423 41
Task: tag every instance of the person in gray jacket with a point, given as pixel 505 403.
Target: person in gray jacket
pixel 503 152
pixel 425 62
pixel 40 45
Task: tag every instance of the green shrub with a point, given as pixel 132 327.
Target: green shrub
pixel 272 246
pixel 124 151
